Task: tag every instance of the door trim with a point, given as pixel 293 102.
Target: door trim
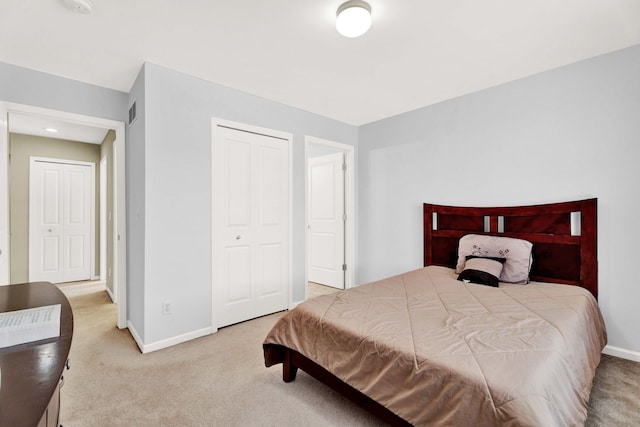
pixel 217 123
pixel 119 219
pixel 5 255
pixel 104 226
pixel 350 207
pixel 92 210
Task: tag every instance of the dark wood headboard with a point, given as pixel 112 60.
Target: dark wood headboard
pixel 564 237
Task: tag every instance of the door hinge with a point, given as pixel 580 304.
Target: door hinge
pixel 344 166
pixel 344 217
pixel 344 267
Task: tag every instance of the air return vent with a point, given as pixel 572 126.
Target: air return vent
pixel 132 113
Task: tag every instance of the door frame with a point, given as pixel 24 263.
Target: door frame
pixel 103 174
pixel 92 213
pixel 349 205
pixel 288 139
pixel 120 218
pixel 103 217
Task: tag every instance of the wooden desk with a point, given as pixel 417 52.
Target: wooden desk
pixel 32 372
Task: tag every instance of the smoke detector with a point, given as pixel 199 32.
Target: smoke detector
pixel 79 6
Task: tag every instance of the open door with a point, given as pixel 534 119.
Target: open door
pixel 326 220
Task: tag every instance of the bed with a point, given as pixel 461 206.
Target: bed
pixel 424 348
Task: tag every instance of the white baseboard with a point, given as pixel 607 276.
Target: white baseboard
pixel 622 353
pixel 159 345
pixel 135 335
pixel 113 298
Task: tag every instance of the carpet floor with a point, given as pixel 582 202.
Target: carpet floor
pixel 221 380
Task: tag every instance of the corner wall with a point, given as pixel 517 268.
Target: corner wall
pixel 135 170
pixel 177 190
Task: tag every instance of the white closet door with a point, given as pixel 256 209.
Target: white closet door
pixel 251 225
pixel 326 220
pixel 60 200
pixel 77 223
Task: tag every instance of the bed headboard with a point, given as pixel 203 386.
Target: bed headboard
pixel 564 237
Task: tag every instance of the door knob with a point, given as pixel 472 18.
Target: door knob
pixel 238 237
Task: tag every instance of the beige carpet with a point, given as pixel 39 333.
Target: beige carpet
pixel 220 380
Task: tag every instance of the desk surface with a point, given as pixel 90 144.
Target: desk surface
pixel 31 371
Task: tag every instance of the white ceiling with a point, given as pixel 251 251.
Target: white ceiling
pixel 54 128
pixel 418 52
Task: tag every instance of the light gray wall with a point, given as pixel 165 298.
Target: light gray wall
pixel 29 87
pixel 566 134
pixel 135 172
pixel 315 150
pixel 177 190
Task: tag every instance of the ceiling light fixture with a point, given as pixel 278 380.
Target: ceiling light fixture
pixel 52 130
pixel 80 6
pixel 353 18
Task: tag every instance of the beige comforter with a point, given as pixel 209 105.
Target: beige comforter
pixel 441 352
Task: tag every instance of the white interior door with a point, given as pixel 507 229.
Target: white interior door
pixel 60 221
pixel 326 220
pixel 251 224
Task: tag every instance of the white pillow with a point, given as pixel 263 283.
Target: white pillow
pixel 517 253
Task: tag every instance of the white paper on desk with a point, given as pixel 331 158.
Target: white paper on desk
pixel 31 324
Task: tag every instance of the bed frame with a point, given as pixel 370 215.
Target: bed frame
pixel 564 237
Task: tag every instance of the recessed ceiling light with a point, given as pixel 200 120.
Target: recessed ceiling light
pixel 51 130
pixel 353 18
pixel 80 6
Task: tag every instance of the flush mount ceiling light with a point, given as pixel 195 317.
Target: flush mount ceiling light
pixel 353 18
pixel 80 6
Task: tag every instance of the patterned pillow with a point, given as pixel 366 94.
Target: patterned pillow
pixel 482 271
pixel 516 252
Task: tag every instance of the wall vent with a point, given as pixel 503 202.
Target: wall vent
pixel 132 113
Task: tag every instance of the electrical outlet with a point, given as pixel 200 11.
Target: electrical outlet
pixel 166 308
